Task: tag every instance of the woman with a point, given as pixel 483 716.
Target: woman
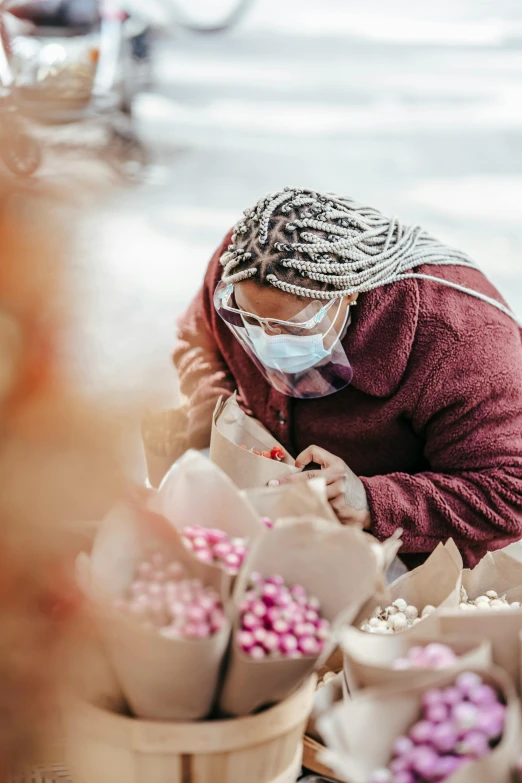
pixel 373 350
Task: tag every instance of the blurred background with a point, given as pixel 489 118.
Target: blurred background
pixel 415 108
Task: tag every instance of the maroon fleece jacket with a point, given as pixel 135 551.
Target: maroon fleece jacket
pixel 432 421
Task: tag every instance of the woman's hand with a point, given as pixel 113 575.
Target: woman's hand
pixel 344 489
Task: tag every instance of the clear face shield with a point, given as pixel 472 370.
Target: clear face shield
pixel 301 357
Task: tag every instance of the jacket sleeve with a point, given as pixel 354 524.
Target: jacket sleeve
pixel 203 373
pixel 470 415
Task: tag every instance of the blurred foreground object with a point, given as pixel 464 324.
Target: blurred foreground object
pixel 58 463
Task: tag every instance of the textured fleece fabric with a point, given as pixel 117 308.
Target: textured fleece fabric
pixel 432 421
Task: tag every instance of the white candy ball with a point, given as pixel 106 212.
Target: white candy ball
pixel 491 594
pixel 412 612
pixel 398 622
pixel 400 604
pixel 428 609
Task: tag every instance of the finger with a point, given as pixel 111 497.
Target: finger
pixel 335 490
pixel 296 478
pixel 329 475
pixel 318 455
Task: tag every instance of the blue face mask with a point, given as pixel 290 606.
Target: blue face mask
pixel 287 353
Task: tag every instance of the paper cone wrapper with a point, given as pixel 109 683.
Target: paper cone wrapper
pixel 500 572
pixel 436 582
pixel 231 429
pixel 369 657
pixel 326 696
pixel 360 733
pixel 164 436
pixel 333 563
pixel 197 492
pixel 162 679
pixel 306 498
pixel 496 571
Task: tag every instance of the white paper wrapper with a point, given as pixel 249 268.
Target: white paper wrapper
pixel 335 564
pixel 368 657
pixel 436 582
pixel 196 492
pixel 292 500
pixel 496 571
pixel 360 733
pixel 162 679
pixel 232 429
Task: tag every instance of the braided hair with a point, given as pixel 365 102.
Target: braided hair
pixel 323 246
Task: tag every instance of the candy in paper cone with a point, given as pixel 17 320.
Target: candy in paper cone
pixel 436 583
pixel 500 572
pixel 369 657
pixel 232 429
pixel 333 563
pixel 161 678
pixel 360 733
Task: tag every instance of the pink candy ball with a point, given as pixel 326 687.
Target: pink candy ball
pixel 404 776
pixel 432 697
pixel 483 695
pixel 287 643
pixel 257 653
pixel 424 761
pixel 451 696
pixel 444 737
pixel 223 549
pixel 437 713
pixel 474 744
pixel 490 722
pixel 215 536
pixel 217 619
pixel 420 732
pixel 245 640
pixel 270 593
pixel 275 579
pixel 251 621
pixel 402 746
pixel 446 766
pixel 258 608
pixel 464 716
pixel 281 626
pixel 205 555
pixel 308 645
pixel 466 681
pixel 271 643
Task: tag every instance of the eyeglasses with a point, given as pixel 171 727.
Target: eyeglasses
pixel 236 316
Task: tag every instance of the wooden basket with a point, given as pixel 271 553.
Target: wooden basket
pixel 312 746
pixel 103 747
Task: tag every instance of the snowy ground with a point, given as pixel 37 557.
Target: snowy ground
pixel 413 107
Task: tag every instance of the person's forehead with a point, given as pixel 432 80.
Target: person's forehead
pixel 267 301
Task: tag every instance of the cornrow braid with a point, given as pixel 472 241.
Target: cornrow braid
pixel 322 246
